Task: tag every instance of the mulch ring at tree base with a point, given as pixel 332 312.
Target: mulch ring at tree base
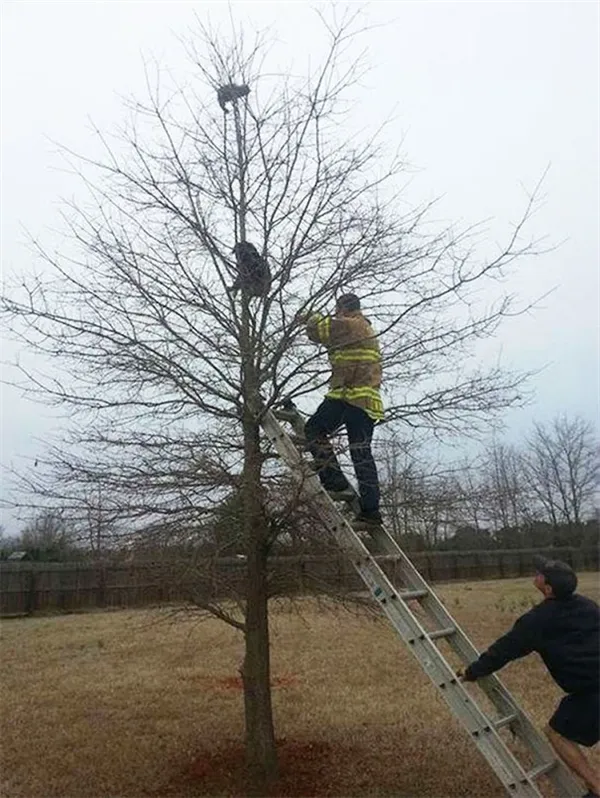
pixel 305 769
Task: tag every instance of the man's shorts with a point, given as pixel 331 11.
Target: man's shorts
pixel 577 718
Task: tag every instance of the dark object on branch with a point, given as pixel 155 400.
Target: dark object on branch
pixel 254 275
pixel 227 94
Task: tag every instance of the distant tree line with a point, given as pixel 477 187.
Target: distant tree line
pixel 543 493
pixel 539 494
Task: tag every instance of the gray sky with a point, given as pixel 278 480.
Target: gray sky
pixel 484 95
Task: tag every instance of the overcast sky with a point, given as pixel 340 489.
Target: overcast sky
pixel 485 96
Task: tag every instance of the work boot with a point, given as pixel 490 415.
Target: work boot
pixel 367 519
pixel 285 415
pixel 343 495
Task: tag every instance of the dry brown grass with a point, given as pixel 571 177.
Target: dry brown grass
pixel 131 704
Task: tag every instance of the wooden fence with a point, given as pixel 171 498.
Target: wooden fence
pixel 27 587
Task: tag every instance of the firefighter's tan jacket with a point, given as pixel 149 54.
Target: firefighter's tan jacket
pixel 355 359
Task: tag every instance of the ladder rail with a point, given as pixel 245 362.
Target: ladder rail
pixel 463 706
pixel 487 739
pixel 504 702
pixel 485 732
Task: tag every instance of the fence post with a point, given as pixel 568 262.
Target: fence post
pixel 31 598
pixel 101 592
pixel 429 568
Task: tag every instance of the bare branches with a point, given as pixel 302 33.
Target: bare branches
pixel 150 352
pixel 563 468
pixel 155 256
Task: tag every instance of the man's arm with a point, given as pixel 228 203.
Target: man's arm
pixel 318 328
pixel 521 640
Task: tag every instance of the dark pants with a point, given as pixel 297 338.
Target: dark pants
pixel 330 416
pixel 577 718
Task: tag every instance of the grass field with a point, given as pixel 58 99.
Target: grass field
pixel 135 703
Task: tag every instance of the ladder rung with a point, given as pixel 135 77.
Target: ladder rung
pixel 387 557
pixel 541 769
pixel 407 595
pixel 499 724
pixel 450 630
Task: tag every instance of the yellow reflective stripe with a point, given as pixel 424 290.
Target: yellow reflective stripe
pixel 372 394
pixel 323 325
pixel 371 397
pixel 357 393
pixel 357 355
pixel 376 413
pixel 360 350
pixel 324 328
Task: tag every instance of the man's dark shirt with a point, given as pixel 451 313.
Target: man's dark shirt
pixel 565 633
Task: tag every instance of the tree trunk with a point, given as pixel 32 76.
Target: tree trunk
pixel 261 753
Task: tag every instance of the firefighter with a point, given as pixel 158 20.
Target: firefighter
pixel 353 401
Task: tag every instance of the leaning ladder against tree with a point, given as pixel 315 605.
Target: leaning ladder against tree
pixel 518 778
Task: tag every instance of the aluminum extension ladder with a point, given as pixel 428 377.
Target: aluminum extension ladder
pixel 519 779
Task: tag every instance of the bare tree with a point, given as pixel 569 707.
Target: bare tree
pixel 505 481
pixel 470 505
pixel 167 373
pixel 416 492
pixel 8 544
pixel 430 499
pixel 98 530
pixel 562 468
pixel 400 478
pixel 49 532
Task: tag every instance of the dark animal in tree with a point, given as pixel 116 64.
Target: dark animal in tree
pixel 230 93
pixel 254 275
